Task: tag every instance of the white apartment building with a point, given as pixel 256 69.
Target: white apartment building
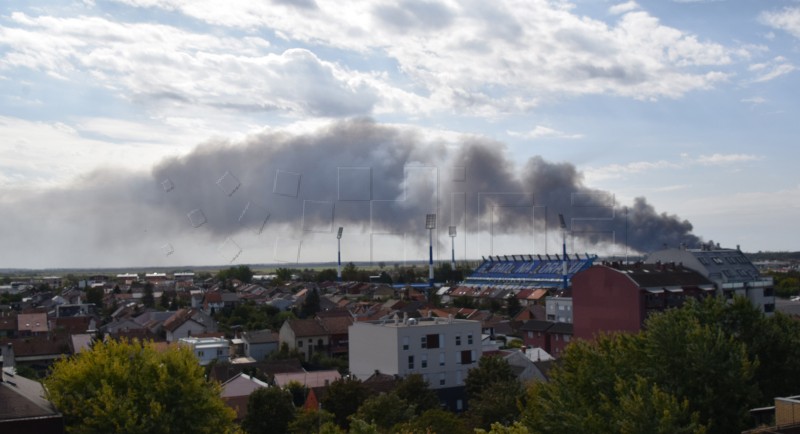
pixel 442 350
pixel 208 349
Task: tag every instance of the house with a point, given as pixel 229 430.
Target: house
pixel 442 350
pixel 24 408
pixel 8 324
pixel 307 379
pixel 559 308
pixel 615 297
pixel 32 324
pixel 305 335
pixel 338 337
pixel 260 343
pixel 560 336
pixel 534 334
pixel 187 323
pixel 236 392
pixel 208 350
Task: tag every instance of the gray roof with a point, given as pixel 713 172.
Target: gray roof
pixel 260 336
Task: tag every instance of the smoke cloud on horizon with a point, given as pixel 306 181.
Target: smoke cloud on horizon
pixel 367 177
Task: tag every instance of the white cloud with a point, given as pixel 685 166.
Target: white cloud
pixel 489 57
pixel 771 70
pixel 540 132
pixel 722 159
pixel 621 171
pixel 168 66
pixel 622 8
pixel 754 100
pixel 787 20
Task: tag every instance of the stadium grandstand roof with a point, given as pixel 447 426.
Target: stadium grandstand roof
pixel 527 271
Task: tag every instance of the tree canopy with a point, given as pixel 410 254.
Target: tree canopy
pixel 699 368
pixel 130 387
pixel 269 411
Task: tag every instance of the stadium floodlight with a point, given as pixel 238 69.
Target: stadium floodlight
pixel 430 221
pixel 339 254
pixel 564 250
pixel 430 225
pixel 452 231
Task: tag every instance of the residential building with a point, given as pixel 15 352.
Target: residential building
pixel 559 308
pixel 729 269
pixel 236 392
pixel 32 324
pixel 616 297
pixel 208 349
pixel 260 343
pixel 24 408
pixel 442 350
pixel 188 322
pixel 305 335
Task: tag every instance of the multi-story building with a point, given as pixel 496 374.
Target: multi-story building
pixel 619 297
pixel 442 350
pixel 559 308
pixel 729 269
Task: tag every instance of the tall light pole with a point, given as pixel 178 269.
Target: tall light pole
pixel 453 248
pixel 339 251
pixel 563 225
pixel 430 225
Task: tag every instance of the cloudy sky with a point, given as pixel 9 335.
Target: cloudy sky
pixel 175 132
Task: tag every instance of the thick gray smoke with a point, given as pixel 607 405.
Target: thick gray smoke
pixel 386 179
pixel 359 174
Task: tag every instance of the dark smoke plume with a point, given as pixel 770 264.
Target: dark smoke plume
pixel 368 177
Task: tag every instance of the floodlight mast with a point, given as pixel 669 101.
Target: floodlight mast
pixel 452 231
pixel 430 225
pixel 563 225
pixel 339 252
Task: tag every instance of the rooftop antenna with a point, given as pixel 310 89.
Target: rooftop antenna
pixel 563 225
pixel 430 225
pixel 339 252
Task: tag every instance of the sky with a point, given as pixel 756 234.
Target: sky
pixel 173 133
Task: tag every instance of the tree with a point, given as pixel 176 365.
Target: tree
pixel 283 274
pixel 130 387
pixel 270 410
pixel 343 399
pixel 415 390
pixel 148 299
pixel 434 421
pixel 490 370
pixel 327 275
pixel 385 410
pixel 310 421
pixel 350 272
pixel 243 273
pixel 95 296
pixel 310 305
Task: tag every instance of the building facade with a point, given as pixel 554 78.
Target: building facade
pixel 729 269
pixel 619 297
pixel 442 350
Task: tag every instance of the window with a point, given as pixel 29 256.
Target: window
pixel 458 377
pixel 768 292
pixel 566 338
pixel 410 362
pixel 431 340
pixel 201 354
pixel 441 359
pixel 299 344
pixel 219 352
pixel 467 357
pixel 424 360
pixel 405 342
pixel 530 334
pixel 441 379
pixel 423 342
pixel 469 339
pixel 458 340
pixel 769 307
pixel 459 405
